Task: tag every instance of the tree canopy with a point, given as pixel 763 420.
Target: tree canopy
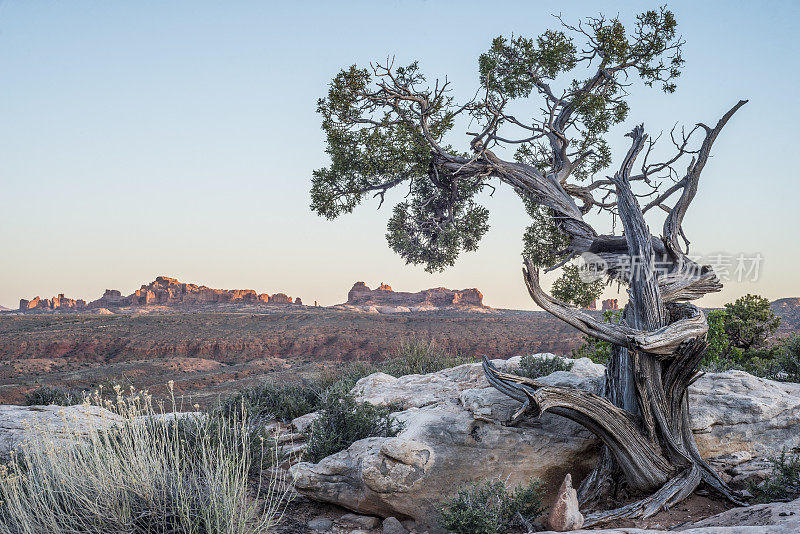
pixel 387 127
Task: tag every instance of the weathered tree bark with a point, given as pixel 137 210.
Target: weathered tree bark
pixel 642 418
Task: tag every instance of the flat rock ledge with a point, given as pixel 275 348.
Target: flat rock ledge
pixel 454 433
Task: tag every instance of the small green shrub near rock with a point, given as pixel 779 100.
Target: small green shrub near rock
pixel 343 420
pixel 533 366
pixel 596 349
pixel 417 357
pixel 490 508
pixel 282 402
pixel 46 395
pixel 783 483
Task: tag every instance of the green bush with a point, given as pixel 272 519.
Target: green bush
pixel 416 357
pixel 490 508
pixel 343 420
pixel 533 366
pixel 788 361
pixel 779 362
pixel 595 349
pixel 46 395
pixel 282 402
pixel 783 484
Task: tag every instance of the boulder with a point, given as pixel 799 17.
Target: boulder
pixel 565 514
pixel 454 434
pixel 21 423
pixel 739 421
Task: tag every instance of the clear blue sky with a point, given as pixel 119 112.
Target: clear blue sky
pixel 178 138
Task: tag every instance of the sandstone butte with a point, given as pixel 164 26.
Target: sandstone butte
pixel 440 297
pixel 164 291
pixel 608 304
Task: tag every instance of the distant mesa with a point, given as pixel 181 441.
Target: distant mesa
pixel 610 304
pixel 164 291
pixel 59 302
pixel 384 299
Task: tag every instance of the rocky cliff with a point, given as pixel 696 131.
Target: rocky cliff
pixel 384 299
pixel 56 303
pixel 163 291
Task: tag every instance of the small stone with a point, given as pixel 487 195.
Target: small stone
pixel 392 526
pixel 565 514
pixel 359 521
pixel 320 524
pixel 409 524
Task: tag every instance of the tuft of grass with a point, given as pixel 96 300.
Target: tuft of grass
pixel 490 508
pixel 343 420
pixel 783 483
pixel 149 474
pixel 532 366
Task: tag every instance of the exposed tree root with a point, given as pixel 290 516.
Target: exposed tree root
pixel 670 494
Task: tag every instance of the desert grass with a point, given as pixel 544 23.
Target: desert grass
pixel 152 472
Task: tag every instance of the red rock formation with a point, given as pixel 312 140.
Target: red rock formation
pixel 592 305
pixel 610 304
pixel 280 298
pixel 361 295
pixel 163 291
pixel 56 303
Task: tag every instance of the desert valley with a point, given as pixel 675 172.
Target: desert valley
pixel 215 342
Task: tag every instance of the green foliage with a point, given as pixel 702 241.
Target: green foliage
pixel 490 508
pixel 418 357
pixel 737 339
pixel 282 402
pixel 783 483
pixel 595 349
pixel 541 240
pixel 719 346
pixel 749 321
pixel 533 366
pixel 513 67
pixel 343 420
pixel 788 361
pixel 570 288
pixel 437 223
pixel 46 395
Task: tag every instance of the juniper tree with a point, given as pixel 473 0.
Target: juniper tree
pixel 387 127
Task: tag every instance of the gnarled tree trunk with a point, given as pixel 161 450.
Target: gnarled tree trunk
pixel 642 418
